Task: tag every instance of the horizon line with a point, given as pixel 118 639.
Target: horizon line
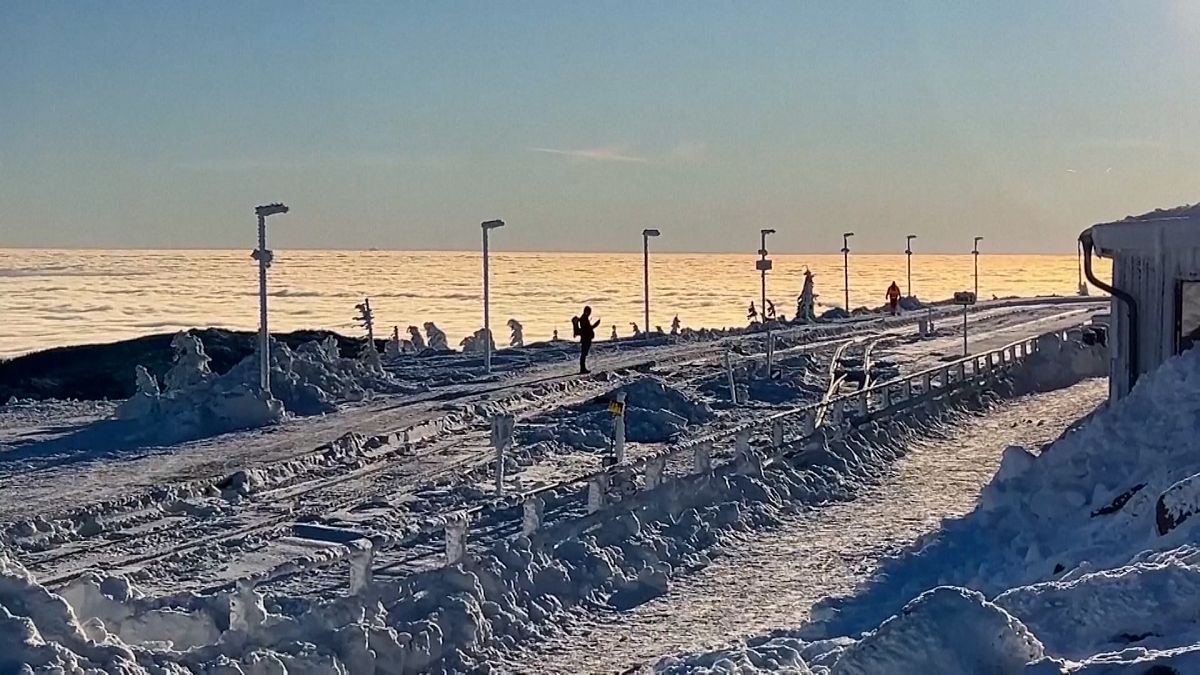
pixel 832 252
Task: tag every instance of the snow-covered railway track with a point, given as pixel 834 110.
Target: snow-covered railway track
pixel 186 540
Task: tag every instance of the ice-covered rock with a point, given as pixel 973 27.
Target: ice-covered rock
pixel 478 342
pixel 191 363
pixel 414 336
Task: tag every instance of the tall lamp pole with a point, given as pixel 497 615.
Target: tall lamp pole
pixel 908 252
pixel 1083 289
pixel 764 264
pixel 646 234
pixel 264 256
pixel 975 252
pixel 846 266
pixel 487 226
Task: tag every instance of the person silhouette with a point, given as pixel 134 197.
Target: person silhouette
pixel 585 328
pixel 893 298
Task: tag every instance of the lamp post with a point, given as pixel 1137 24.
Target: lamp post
pixel 646 234
pixel 846 266
pixel 487 226
pixel 1083 289
pixel 975 252
pixel 264 256
pixel 908 252
pixel 764 264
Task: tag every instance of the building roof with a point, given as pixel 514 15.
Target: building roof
pixel 1157 230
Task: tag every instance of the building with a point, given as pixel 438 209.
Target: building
pixel 1155 289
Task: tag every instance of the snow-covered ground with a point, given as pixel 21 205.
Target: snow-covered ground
pixel 196 516
pixel 766 580
pixel 1080 558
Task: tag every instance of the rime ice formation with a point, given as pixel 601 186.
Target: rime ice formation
pixel 518 333
pixel 395 346
pixel 675 325
pixel 613 335
pixel 437 339
pixel 191 363
pixel 475 344
pixel 806 304
pixel 309 380
pixel 414 336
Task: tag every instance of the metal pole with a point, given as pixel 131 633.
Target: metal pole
pixel 846 266
pixel 646 277
pixel 964 330
pixel 975 251
pixel 264 360
pixel 487 319
pixel 908 252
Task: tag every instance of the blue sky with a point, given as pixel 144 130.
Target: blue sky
pixel 403 125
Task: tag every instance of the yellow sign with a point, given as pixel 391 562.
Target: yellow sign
pixel 616 408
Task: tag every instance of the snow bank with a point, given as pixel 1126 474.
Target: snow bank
pixel 196 403
pixel 1086 549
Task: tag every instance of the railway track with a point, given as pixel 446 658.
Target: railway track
pixel 396 473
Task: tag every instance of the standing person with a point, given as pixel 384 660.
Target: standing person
pixel 585 328
pixel 893 296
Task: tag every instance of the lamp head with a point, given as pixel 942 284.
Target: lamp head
pixel 847 234
pixel 650 232
pixel 492 224
pixel 270 209
pixel 766 231
pixel 911 236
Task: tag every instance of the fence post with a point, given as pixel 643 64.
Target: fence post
pixel 531 516
pixel 886 396
pixel 962 372
pixel 502 433
pixel 777 434
pixel 619 428
pixel 864 403
pixel 456 538
pixel 597 492
pixel 907 389
pixel 945 378
pixel 702 459
pixel 362 557
pixel 654 471
pixel 746 461
pixel 835 415
pixel 927 383
pixel 732 382
pixel 241 618
pixel 809 423
pixel 991 362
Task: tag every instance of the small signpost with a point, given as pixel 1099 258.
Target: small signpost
pixel 966 299
pixel 617 408
pixel 502 436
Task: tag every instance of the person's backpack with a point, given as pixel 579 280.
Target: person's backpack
pixel 575 326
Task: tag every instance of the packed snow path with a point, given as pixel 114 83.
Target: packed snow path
pixel 768 580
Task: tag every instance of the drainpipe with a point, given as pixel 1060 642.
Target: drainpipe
pixel 1085 238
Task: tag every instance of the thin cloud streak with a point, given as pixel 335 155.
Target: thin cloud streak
pixel 594 154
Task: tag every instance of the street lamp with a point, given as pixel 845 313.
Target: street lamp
pixel 764 264
pixel 846 266
pixel 908 252
pixel 1083 289
pixel 487 226
pixel 975 252
pixel 264 257
pixel 646 234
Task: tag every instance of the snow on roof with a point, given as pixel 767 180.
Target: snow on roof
pixel 1185 211
pixel 1174 228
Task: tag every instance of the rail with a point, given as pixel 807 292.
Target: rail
pixel 830 414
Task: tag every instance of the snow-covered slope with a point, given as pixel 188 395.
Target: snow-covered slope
pixel 1084 558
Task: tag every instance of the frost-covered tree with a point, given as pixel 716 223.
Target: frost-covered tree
pixel 436 338
pixel 191 363
pixel 414 336
pixel 614 333
pixel 675 325
pixel 518 333
pixel 806 304
pixel 394 347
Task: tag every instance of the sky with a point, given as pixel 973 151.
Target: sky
pixel 403 125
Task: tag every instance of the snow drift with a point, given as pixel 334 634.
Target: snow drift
pixel 1081 558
